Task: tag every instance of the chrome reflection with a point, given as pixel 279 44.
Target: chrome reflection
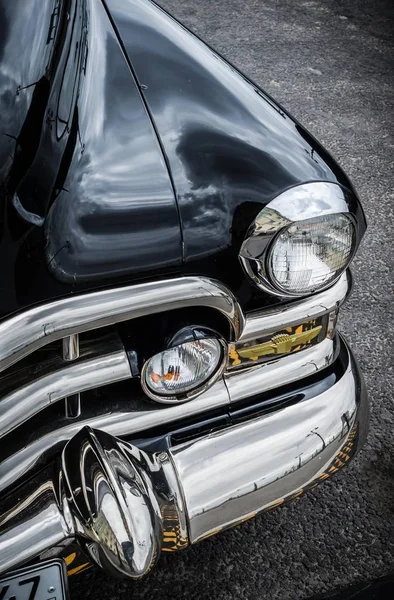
pixel 301 202
pixel 139 418
pixel 34 523
pixel 234 387
pixel 32 329
pixel 117 510
pixel 235 473
pixel 253 380
pixel 72 404
pixel 103 361
pixel 117 422
pixel 275 319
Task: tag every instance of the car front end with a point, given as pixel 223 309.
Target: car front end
pixel 175 256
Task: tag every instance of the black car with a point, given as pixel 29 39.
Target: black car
pixel 174 251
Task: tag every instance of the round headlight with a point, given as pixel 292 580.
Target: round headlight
pixel 303 240
pixel 181 372
pixel 309 255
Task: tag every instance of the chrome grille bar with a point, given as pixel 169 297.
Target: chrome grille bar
pixel 103 361
pixel 274 319
pixel 262 377
pixel 32 329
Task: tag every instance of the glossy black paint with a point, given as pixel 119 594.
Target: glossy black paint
pixel 85 191
pixel 230 147
pixel 131 151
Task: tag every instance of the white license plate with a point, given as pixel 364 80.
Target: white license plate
pixel 43 581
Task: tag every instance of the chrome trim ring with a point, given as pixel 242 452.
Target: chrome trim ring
pixel 191 394
pixel 301 202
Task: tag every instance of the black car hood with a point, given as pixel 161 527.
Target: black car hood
pixel 230 147
pixel 130 150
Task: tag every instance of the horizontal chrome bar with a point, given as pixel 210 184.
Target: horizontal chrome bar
pixel 116 423
pixel 36 522
pixel 233 474
pixel 22 334
pixel 276 319
pixel 249 381
pixel 253 380
pixel 102 362
pixel 32 329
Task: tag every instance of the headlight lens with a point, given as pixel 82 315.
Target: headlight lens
pixel 309 255
pixel 174 374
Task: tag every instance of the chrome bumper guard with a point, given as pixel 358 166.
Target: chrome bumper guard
pixel 123 503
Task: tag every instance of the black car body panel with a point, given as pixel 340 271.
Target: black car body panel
pixel 85 194
pixel 230 147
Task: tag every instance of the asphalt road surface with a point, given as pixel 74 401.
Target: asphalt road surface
pixel 331 64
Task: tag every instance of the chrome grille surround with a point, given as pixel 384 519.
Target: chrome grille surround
pixel 89 311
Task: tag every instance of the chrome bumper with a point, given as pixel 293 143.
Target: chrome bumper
pixel 123 503
pixel 231 476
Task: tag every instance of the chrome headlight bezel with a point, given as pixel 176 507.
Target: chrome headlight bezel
pixel 299 203
pixel 188 395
